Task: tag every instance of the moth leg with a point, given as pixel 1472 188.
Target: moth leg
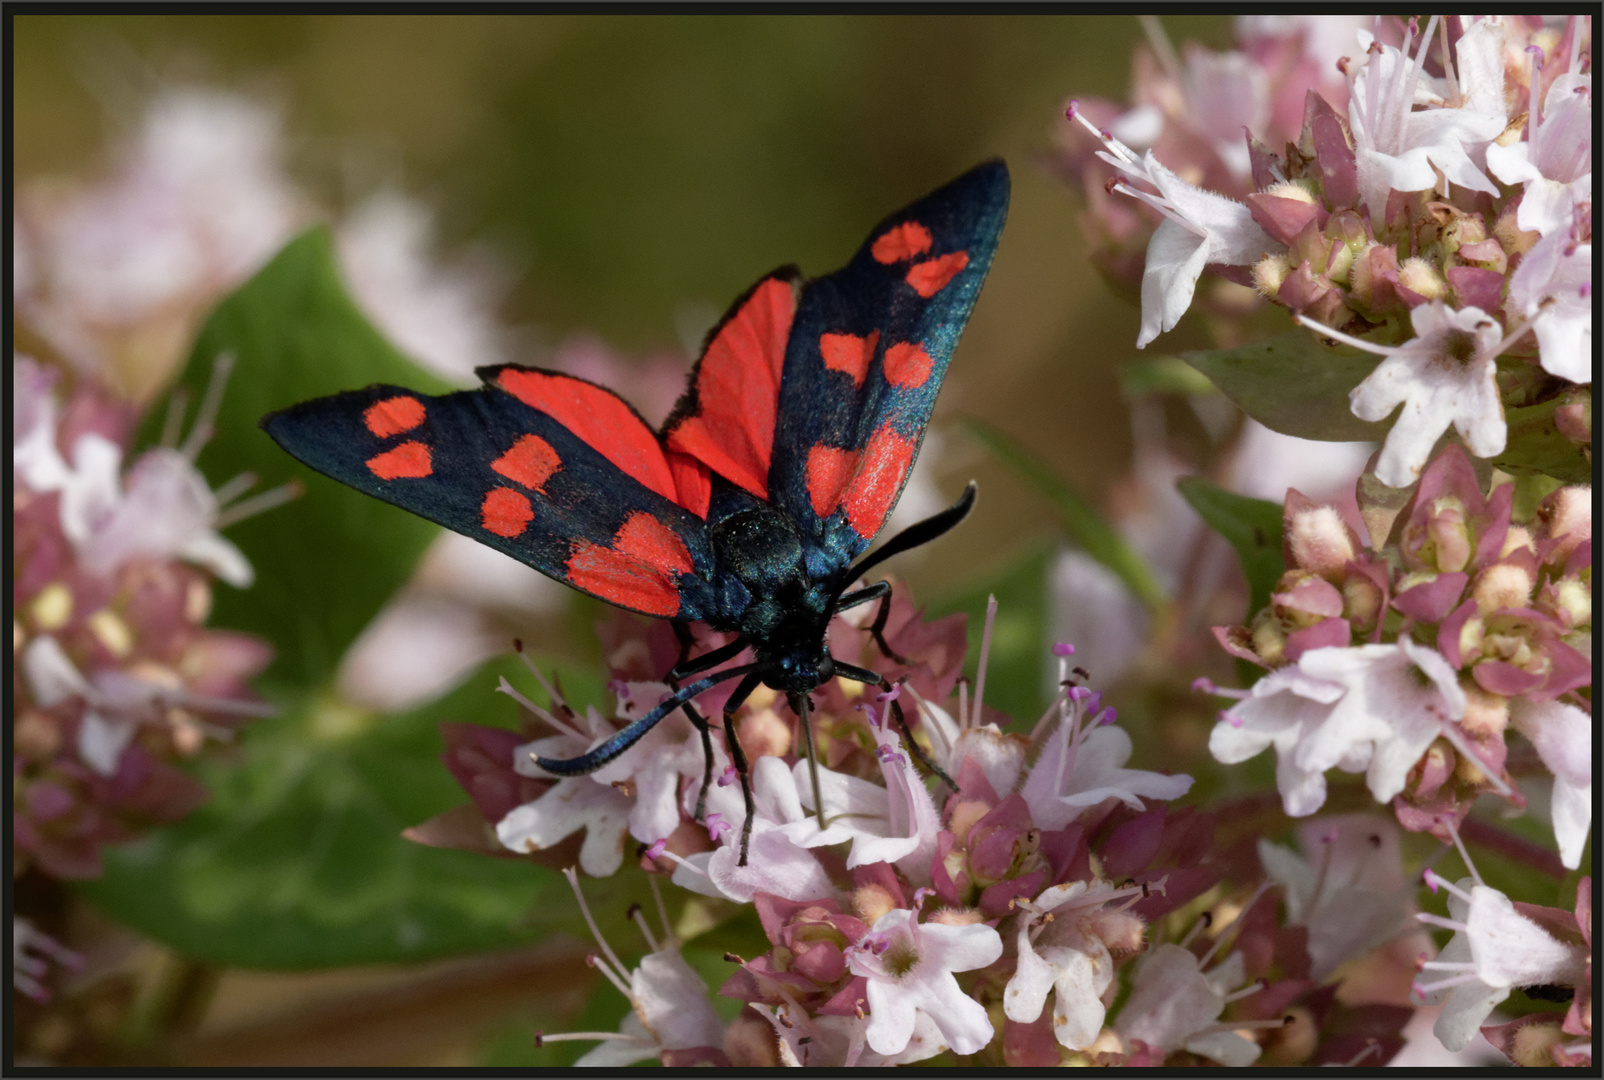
pixel 874 678
pixel 687 668
pixel 706 732
pixel 801 704
pixel 742 691
pixel 861 596
pixel 881 591
pixel 683 633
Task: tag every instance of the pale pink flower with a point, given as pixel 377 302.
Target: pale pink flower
pixel 909 969
pixel 1554 163
pixel 1174 1005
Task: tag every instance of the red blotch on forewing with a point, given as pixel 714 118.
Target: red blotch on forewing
pixel 506 512
pixel 901 242
pixel 907 365
pixel 638 570
pixel 931 276
pixel 410 459
pixel 392 416
pixel 646 538
pixel 874 489
pixel 849 353
pixel 738 390
pixel 530 462
pixel 829 470
pixel 692 483
pixel 599 417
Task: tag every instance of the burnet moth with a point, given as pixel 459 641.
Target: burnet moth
pixel 775 471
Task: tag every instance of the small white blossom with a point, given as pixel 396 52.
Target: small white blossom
pixel 1553 288
pixel 1563 737
pixel 909 969
pixel 1444 375
pixel 1370 708
pixel 1494 948
pixel 1199 228
pixel 1554 163
pixel 1400 149
pixel 1174 1005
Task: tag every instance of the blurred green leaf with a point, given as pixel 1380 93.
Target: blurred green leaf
pixel 1536 447
pixel 1162 375
pixel 1253 527
pixel 1294 385
pixel 327 561
pixel 298 860
pixel 1084 524
pixel 1019 636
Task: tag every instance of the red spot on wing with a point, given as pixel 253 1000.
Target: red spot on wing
pixel 931 276
pixel 506 512
pixel 530 462
pixel 598 416
pixel 901 242
pixel 907 365
pixel 392 416
pixel 692 482
pixel 738 390
pixel 829 470
pixel 410 459
pixel 849 353
pixel 637 571
pixel 878 481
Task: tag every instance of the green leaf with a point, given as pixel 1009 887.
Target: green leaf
pixel 1294 385
pixel 1162 375
pixel 327 561
pixel 1536 447
pixel 1253 527
pixel 1019 636
pixel 298 860
pixel 1085 525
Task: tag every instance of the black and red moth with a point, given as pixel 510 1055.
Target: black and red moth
pixel 775 471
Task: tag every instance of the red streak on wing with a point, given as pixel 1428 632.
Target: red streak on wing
pixel 907 365
pixel 931 276
pixel 738 390
pixel 506 512
pixel 829 470
pixel 901 242
pixel 410 459
pixel 638 570
pixel 392 416
pixel 530 462
pixel 878 481
pixel 849 353
pixel 599 417
pixel 692 481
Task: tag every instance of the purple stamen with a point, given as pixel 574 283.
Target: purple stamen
pixel 886 754
pixel 1106 717
pixel 1063 648
pixel 717 826
pixel 890 695
pixel 728 777
pixel 1432 880
pixel 1079 693
pixel 657 848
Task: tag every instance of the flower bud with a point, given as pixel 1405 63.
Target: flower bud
pixel 871 902
pixel 1533 1045
pixel 1269 273
pixel 1519 538
pixel 1570 600
pixel 750 1042
pixel 1421 282
pixel 958 917
pixel 1568 513
pixel 1449 535
pixel 1303 598
pixel 1503 585
pixel 964 816
pixel 1320 541
pixel 1486 713
pixel 1471 636
pixel 1511 237
pixel 1268 637
pixel 1361 603
pixel 1371 277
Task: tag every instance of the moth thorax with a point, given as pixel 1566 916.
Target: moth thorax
pixel 760 546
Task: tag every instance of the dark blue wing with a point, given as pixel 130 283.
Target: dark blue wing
pixel 592 508
pixel 868 348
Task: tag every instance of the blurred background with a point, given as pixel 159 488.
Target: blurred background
pixel 603 186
